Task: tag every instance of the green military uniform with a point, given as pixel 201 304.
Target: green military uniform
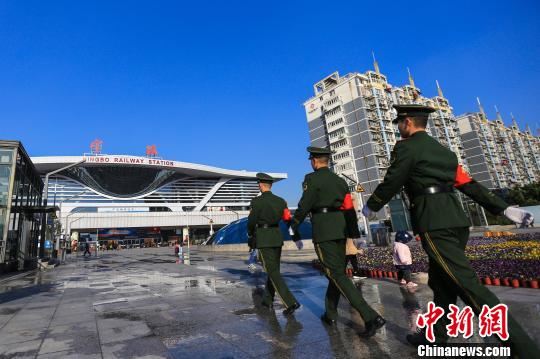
pixel 324 193
pixel 263 225
pixel 429 171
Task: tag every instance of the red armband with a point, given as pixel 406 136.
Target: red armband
pixel 347 203
pixel 286 215
pixel 462 177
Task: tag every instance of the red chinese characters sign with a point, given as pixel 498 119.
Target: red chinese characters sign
pixel 494 321
pixel 151 151
pixel 429 319
pixel 460 322
pixel 490 321
pixel 95 146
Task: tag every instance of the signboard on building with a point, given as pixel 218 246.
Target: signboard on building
pixel 122 209
pixel 128 160
pixel 312 108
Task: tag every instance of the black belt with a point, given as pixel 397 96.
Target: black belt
pixel 443 188
pixel 324 210
pixel 267 225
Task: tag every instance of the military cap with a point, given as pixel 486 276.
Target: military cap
pixel 318 152
pixel 264 178
pixel 412 111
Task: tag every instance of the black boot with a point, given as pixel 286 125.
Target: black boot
pixel 291 309
pixel 372 326
pixel 328 321
pixel 419 338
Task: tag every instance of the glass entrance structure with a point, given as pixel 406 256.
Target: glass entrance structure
pixel 20 203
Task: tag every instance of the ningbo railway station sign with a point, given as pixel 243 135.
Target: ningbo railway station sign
pixel 129 160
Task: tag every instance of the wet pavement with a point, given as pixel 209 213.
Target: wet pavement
pixel 141 303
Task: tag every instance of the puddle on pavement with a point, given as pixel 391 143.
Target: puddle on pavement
pixel 247 311
pixel 120 315
pixel 9 311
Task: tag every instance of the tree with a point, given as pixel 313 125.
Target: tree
pixel 527 195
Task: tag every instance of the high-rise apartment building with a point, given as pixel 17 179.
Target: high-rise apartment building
pixel 442 123
pixel 353 114
pixel 528 156
pixel 499 156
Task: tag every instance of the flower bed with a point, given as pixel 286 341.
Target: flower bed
pixel 515 256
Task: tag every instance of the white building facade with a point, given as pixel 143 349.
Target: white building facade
pixel 121 191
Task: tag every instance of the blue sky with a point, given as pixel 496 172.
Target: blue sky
pixel 222 83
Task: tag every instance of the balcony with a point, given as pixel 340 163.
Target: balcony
pixel 383 105
pixel 332 103
pixel 330 116
pixel 337 138
pixel 336 126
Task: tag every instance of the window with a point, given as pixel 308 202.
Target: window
pixel 336 133
pixel 343 167
pixel 338 144
pixel 341 155
pixel 335 122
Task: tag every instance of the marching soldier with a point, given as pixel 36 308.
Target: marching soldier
pixel 326 197
pixel 430 172
pixel 264 234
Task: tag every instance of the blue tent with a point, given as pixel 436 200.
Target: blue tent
pixel 236 232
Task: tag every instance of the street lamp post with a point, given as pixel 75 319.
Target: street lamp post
pixel 44 213
pixel 211 221
pixel 237 214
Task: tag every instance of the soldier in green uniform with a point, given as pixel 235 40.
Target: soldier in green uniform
pixel 430 172
pixel 264 234
pixel 326 197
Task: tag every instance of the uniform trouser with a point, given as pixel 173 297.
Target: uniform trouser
pixel 271 258
pixel 332 257
pixel 451 275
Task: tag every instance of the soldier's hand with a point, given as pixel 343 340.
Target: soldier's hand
pixel 299 244
pixel 519 216
pixel 368 213
pixel 252 258
pixel 251 243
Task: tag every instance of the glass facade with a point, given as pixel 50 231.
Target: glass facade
pixel 87 194
pixel 20 200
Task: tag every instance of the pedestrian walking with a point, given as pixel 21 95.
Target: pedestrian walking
pixel 327 199
pixel 403 259
pixel 87 249
pixel 351 256
pixel 264 234
pixel 430 173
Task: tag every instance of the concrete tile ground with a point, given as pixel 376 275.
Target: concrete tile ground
pixel 140 303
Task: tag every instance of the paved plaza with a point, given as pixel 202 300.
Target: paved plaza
pixel 141 303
